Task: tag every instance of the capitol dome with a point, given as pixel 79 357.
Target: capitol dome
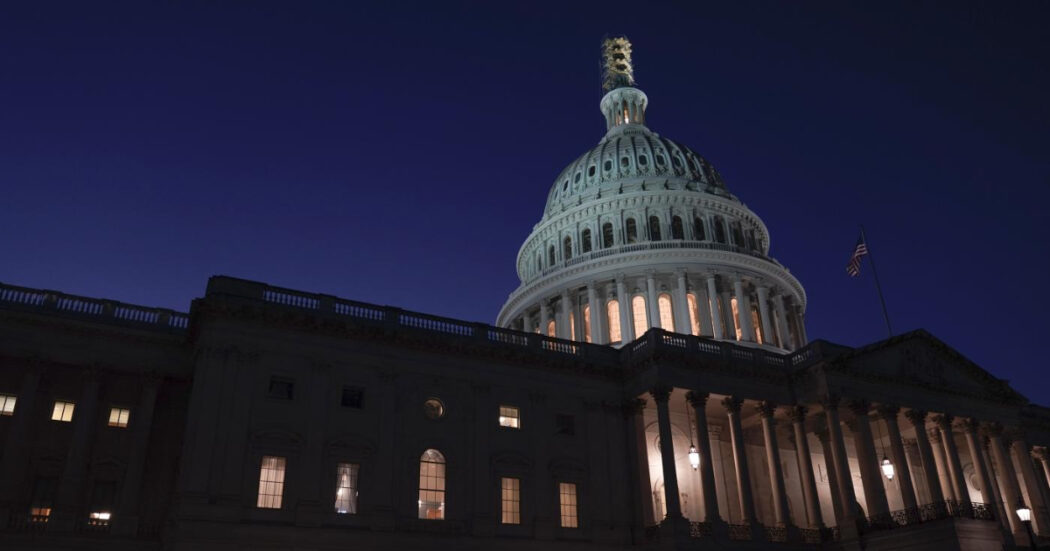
pixel 641 231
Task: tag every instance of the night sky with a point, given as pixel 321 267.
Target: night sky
pixel 400 154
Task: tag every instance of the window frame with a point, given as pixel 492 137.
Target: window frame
pixel 67 405
pixel 8 403
pixel 441 492
pixel 281 466
pixel 117 424
pixel 516 418
pixel 354 487
pixel 572 508
pixel 511 496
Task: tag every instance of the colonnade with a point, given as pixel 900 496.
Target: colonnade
pixel 722 306
pixel 937 476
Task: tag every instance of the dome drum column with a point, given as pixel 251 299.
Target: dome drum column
pixel 682 320
pixel 626 309
pixel 712 305
pixel 768 336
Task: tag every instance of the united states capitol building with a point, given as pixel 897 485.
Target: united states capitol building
pixel 650 384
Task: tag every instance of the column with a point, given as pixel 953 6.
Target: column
pixel 944 423
pixel 743 311
pixel 654 307
pixel 822 434
pixel 545 317
pixel 141 423
pixel 900 459
pixel 683 321
pixel 1002 512
pixel 847 497
pixel 782 324
pixel 1009 487
pixel 703 312
pixel 768 335
pixel 917 418
pixel 562 327
pixel 526 326
pixel 634 411
pixel 969 427
pixel 663 419
pixel 766 410
pixel 703 445
pixel 944 477
pixel 805 468
pixel 594 306
pixel 1030 486
pixel 743 476
pixel 71 486
pixel 16 452
pixel 712 299
pixel 626 316
pixel 868 460
pixel 800 322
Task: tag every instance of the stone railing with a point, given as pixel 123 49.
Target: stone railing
pixel 26 523
pixel 926 513
pixel 656 339
pixel 740 532
pixel 777 534
pixel 649 246
pixel 396 319
pixel 699 529
pixel 102 310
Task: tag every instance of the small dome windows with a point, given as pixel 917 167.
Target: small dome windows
pixel 625 162
pixel 565 186
pixel 607 166
pixel 577 178
pixel 677 229
pixel 660 160
pixel 676 161
pixel 642 160
pixel 590 171
pixel 585 241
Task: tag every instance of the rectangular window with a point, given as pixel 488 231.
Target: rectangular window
pixel 7 404
pixel 353 397
pixel 567 500
pixel 118 417
pixel 509 416
pixel 346 489
pixel 42 500
pixel 565 424
pixel 510 500
pixel 281 388
pixel 63 411
pixel 102 503
pixel 271 482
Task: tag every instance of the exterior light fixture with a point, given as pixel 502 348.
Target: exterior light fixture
pixel 694 454
pixel 887 468
pixel 694 457
pixel 1025 514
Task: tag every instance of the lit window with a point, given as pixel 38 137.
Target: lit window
pixel 63 411
pixel 346 489
pixel 567 499
pixel 510 500
pixel 736 319
pixel 99 518
pixel 118 417
pixel 587 323
pixel 42 500
pixel 694 317
pixel 666 317
pixel 572 326
pixel 7 404
pixel 759 337
pixel 101 503
pixel 641 320
pixel 509 416
pixel 613 311
pixel 550 329
pixel 271 482
pixel 432 485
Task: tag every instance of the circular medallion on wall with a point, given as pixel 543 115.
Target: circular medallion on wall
pixel 433 408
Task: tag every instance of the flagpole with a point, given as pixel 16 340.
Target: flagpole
pixel 875 273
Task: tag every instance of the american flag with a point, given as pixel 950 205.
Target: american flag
pixel 853 268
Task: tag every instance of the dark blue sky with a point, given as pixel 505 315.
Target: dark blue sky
pixel 400 154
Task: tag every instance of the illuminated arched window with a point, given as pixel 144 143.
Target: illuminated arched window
pixel 572 326
pixel 551 258
pixel 694 313
pixel 698 229
pixel 585 241
pixel 654 228
pixel 632 231
pixel 641 320
pixel 757 324
pixel 432 485
pixel 736 318
pixel 677 230
pixel 566 248
pixel 720 229
pixel 612 309
pixel 587 322
pixel 666 315
pixel 607 235
pixel 551 329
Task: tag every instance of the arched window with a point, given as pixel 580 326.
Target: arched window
pixel 632 231
pixel 607 235
pixel 757 324
pixel 736 318
pixel 654 228
pixel 751 243
pixel 572 326
pixel 641 320
pixel 551 259
pixel 432 485
pixel 720 230
pixel 738 234
pixel 612 309
pixel 694 313
pixel 566 248
pixel 666 315
pixel 585 241
pixel 677 231
pixel 698 229
pixel 539 263
pixel 587 322
pixel 550 329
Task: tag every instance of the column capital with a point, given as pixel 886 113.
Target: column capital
pixel 944 421
pixel 917 417
pixel 697 399
pixel 732 404
pixel 679 272
pixel 993 429
pixel 1040 453
pixel 766 408
pixel 934 435
pixel 888 411
pixel 798 414
pixel 661 393
pixel 633 407
pixel 831 401
pixel 969 425
pixel 859 407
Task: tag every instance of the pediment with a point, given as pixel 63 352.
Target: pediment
pixel 921 360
